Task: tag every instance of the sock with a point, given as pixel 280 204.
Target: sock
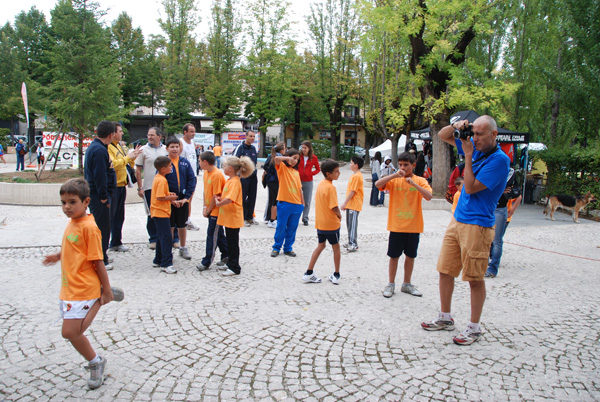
pixel 392 285
pixel 404 283
pixel 474 327
pixel 446 316
pixel 309 272
pixel 95 360
pixel 336 274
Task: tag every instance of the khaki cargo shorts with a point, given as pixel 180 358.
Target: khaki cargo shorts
pixel 465 247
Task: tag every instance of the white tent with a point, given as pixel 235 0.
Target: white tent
pixel 386 147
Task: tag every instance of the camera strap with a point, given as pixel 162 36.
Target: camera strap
pixel 482 159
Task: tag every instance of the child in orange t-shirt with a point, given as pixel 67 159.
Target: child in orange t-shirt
pixel 459 185
pixel 85 284
pixel 160 212
pixel 290 202
pixel 353 205
pixel 214 181
pixel 231 208
pixel 327 222
pixel 405 219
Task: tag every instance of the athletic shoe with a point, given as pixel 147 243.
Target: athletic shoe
pixel 176 245
pixel 192 226
pixel 438 325
pixel 229 273
pixel 169 270
pixel 109 267
pixel 120 248
pixel 411 290
pixel 155 265
pixel 184 253
pixel 289 253
pixel 389 291
pixel 467 337
pixel 334 279
pixel 274 253
pixel 201 267
pixel 352 249
pixel 489 275
pixel 152 246
pixel 118 294
pixel 253 221
pixel 312 278
pixel 305 223
pixel 272 224
pixel 247 224
pixel 223 262
pixel 96 373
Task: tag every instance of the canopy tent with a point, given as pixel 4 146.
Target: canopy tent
pixel 386 147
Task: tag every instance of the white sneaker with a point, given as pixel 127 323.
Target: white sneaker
pixel 228 273
pixel 192 226
pixel 334 279
pixel 311 278
pixel 184 253
pixel 109 267
pixel 272 225
pixel 169 270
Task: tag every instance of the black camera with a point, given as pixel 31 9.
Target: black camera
pixel 464 134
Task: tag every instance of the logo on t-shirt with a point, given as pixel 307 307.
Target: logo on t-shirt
pixel 69 306
pixel 73 238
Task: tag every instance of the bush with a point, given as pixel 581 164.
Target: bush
pixel 5 139
pixel 573 171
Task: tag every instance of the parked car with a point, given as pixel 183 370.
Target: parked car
pixel 358 151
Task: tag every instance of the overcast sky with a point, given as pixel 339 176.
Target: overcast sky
pixel 145 13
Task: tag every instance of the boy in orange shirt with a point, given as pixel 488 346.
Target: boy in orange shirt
pixel 459 185
pixel 327 222
pixel 85 284
pixel 353 205
pixel 214 181
pixel 405 219
pixel 160 212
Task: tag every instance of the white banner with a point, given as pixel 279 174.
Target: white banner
pixel 232 139
pixel 205 140
pixel 67 156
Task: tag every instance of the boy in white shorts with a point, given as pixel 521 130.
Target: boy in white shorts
pixel 85 285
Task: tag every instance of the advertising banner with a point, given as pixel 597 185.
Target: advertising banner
pixel 232 139
pixel 67 156
pixel 205 140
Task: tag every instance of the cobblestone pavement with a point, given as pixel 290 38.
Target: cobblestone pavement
pixel 265 335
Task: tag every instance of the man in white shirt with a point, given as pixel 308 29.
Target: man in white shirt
pixel 188 151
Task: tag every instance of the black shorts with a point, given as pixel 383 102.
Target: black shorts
pixel 332 236
pixel 406 243
pixel 179 216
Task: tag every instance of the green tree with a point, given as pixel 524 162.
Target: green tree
pixel 334 30
pixel 11 76
pixel 177 56
pixel 265 72
pixel 32 37
pixel 221 92
pixel 85 77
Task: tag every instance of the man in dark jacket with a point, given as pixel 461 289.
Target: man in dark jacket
pixel 249 184
pixel 101 178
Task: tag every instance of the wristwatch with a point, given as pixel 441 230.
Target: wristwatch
pixel 139 188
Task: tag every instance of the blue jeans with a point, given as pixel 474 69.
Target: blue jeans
pixel 496 249
pixel 288 218
pixel 218 162
pixel 215 237
pixel 21 161
pixel 374 200
pixel 164 243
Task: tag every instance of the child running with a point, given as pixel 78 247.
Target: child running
pixel 182 182
pixel 355 193
pixel 290 202
pixel 85 285
pixel 327 221
pixel 405 219
pixel 214 181
pixel 231 208
pixel 160 212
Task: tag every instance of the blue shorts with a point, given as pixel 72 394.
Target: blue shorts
pixel 406 243
pixel 332 236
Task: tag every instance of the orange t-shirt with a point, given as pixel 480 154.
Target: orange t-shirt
pixel 405 214
pixel 508 207
pixel 213 184
pixel 81 246
pixel 217 150
pixel 325 201
pixel 455 201
pixel 356 184
pixel 232 215
pixel 290 186
pixel 160 188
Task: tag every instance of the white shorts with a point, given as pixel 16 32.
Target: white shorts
pixel 75 310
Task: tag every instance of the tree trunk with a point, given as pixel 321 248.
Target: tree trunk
pixel 555 105
pixel 80 152
pixel 296 139
pixel 441 159
pixel 263 134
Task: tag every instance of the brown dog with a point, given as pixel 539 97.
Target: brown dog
pixel 574 204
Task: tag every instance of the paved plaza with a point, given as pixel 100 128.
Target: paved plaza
pixel 266 335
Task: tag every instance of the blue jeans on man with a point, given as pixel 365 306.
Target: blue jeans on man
pixel 20 162
pixel 501 215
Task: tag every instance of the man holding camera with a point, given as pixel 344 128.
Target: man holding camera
pixel 466 244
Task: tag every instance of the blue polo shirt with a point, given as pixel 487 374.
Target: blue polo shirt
pixel 492 172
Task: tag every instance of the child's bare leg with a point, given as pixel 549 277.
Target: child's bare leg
pixel 315 256
pixel 73 331
pixel 336 257
pixel 182 236
pixel 409 264
pixel 393 268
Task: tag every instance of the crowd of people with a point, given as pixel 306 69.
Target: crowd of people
pixel 166 177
